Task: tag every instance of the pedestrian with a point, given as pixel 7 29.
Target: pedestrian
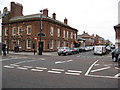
pixel 4 49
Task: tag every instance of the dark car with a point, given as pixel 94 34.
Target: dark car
pixel 116 55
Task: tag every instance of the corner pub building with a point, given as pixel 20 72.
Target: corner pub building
pixel 23 31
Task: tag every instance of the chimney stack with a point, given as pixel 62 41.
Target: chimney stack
pixel 45 12
pixel 16 9
pixel 5 10
pixel 65 21
pixel 54 16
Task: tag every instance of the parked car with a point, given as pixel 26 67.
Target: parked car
pixel 99 50
pixel 116 55
pixel 64 50
pixel 72 50
pixel 108 48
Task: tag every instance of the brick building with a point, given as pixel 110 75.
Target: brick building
pixel 88 39
pixel 117 31
pixel 23 31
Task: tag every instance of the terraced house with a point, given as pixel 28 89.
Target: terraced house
pixel 24 31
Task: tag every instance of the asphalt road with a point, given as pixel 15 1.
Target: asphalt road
pixel 82 70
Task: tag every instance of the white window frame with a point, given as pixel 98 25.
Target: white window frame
pixel 14 31
pixel 64 33
pixel 6 31
pixel 58 32
pixel 19 30
pixel 51 44
pixel 71 35
pixel 51 31
pixel 29 29
pixel 67 34
pixel 58 44
pixel 75 35
pixel 28 43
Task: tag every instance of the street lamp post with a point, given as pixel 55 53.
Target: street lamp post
pixel 40 44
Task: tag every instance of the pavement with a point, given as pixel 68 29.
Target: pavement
pixel 32 53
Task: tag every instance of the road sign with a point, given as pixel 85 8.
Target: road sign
pixel 41 34
pixel 35 38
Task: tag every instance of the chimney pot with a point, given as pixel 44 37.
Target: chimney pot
pixel 45 12
pixel 65 21
pixel 54 16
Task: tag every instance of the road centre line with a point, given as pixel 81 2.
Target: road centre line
pixel 96 70
pixel 41 68
pixel 14 65
pixel 58 69
pixel 6 66
pixel 22 68
pixel 72 73
pixel 86 74
pixel 27 66
pixel 37 70
pixel 54 72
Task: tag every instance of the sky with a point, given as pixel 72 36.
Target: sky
pixel 92 16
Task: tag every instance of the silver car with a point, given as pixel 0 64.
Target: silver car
pixel 64 51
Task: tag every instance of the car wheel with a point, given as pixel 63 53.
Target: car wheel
pixel 59 54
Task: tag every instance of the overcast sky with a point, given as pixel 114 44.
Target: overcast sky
pixel 92 16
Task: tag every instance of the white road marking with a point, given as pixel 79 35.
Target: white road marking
pixel 53 72
pixel 6 66
pixel 37 70
pixel 104 76
pixel 22 68
pixel 96 70
pixel 27 66
pixel 72 73
pixel 14 65
pixel 96 64
pixel 90 68
pixel 41 68
pixel 58 69
pixel 63 61
pixel 117 68
pixel 117 75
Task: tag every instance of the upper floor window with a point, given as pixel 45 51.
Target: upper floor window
pixel 13 30
pixel 75 36
pixel 6 31
pixel 51 31
pixel 58 32
pixel 29 29
pixel 71 35
pixel 67 34
pixel 20 30
pixel 64 33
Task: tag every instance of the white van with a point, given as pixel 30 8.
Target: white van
pixel 99 50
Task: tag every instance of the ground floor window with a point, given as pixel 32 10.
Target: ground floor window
pixel 28 43
pixel 51 44
pixel 58 44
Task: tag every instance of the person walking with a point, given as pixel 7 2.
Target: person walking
pixel 4 49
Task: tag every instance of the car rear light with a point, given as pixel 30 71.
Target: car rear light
pixel 64 50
